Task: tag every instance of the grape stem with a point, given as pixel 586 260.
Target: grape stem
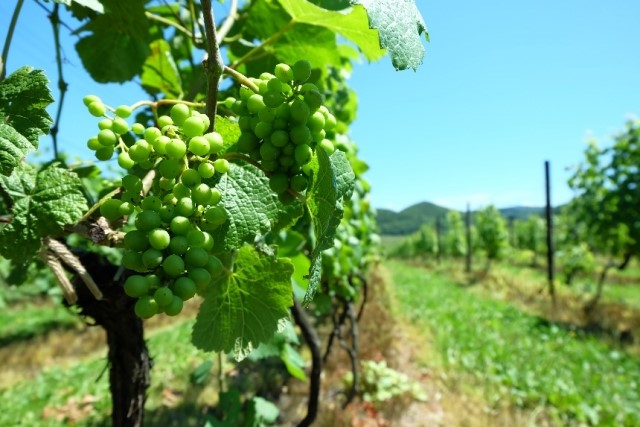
pixel 213 65
pixel 165 21
pixel 241 78
pixel 7 41
pixel 155 104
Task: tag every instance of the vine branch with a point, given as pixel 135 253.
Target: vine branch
pixel 241 78
pixel 54 17
pixel 7 41
pixel 213 65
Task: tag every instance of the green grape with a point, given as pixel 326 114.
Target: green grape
pixel 202 194
pixel 255 103
pixel 174 307
pixel 199 146
pixel 215 215
pixel 123 111
pixel 244 123
pixel 330 122
pixel 267 115
pixel 221 165
pixel 206 170
pixel 97 109
pixel 313 99
pixel 288 149
pixel 136 240
pixel 279 138
pixel 132 183
pixel 154 280
pixel 303 154
pixel 327 146
pixel 216 142
pixel 167 212
pixel 274 85
pixel 159 238
pixel 208 241
pixel 120 126
pixel 196 257
pixel 133 260
pixel 319 136
pixel 215 197
pixel 151 134
pixel 169 168
pixel 93 143
pixel 229 102
pixel 301 70
pixel 193 126
pixel 130 197
pixel 190 178
pixel 152 258
pixel 126 208
pixel 268 151
pixel 173 265
pixel 299 111
pixel 270 165
pixel 179 113
pixel 148 220
pixel 185 288
pixel 284 73
pixel 151 203
pixel 136 286
pixel 299 183
pixel 272 99
pixel 283 112
pixel 263 130
pixel 176 149
pixel 185 207
pixel 286 197
pixel 254 122
pixel 286 161
pixel 204 118
pixel 196 238
pixel 300 134
pixel 139 152
pixel 146 307
pixel 262 87
pixel 107 138
pixel 125 161
pixel 105 124
pixel 240 107
pixel 280 124
pixel 266 76
pixel 247 142
pixel 200 276
pixel 316 122
pixel 138 129
pixel 110 209
pixel 163 296
pixel 178 245
pixel 308 87
pixel 164 121
pixel 89 99
pixel 180 225
pixel 279 182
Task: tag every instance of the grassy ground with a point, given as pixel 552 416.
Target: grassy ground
pixel 520 358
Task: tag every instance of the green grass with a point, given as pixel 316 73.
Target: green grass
pixel 23 322
pixel 519 357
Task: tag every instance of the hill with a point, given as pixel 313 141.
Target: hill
pixel 410 219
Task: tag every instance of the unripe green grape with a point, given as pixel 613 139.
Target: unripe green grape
pixel 163 296
pixel 200 276
pixel 283 112
pixel 215 215
pixel 289 149
pixel 180 225
pixel 244 123
pixel 279 138
pixel 286 161
pixel 139 152
pixel 204 118
pixel 303 154
pixel 319 136
pixel 169 168
pixel 164 121
pixel 136 240
pixel 166 184
pixel 89 99
pixel 268 151
pixel 247 142
pixel 196 257
pixel 176 148
pixel 174 307
pixel 327 146
pixel 105 124
pixel 308 87
pixel 178 245
pixel 199 146
pixel 110 209
pixel 274 85
pixel 179 113
pixel 301 70
pixel 272 99
pixel 151 203
pixel 279 182
pixel 284 73
pixel 262 87
pixel 97 109
pixel 185 288
pixel 316 122
pixel 148 220
pixel 193 126
pixel 255 103
pixel 266 76
pixel 229 102
pixel 330 122
pixel 93 143
pixel 133 260
pixel 240 108
pixel 130 197
pixel 208 241
pixel 126 208
pixel 206 170
pixel 299 111
pixel 159 238
pixel 286 197
pixel 190 178
pixel 125 161
pixel 185 207
pixel 216 143
pixel 263 130
pixel 132 183
pixel 120 126
pixel 146 307
pixel 254 122
pixel 215 197
pixel 221 165
pixel 151 134
pixel 152 258
pixel 136 286
pixel 270 165
pixel 299 183
pixel 267 115
pixel 166 213
pixel 104 153
pixel 123 111
pixel 300 134
pixel 138 129
pixel 173 265
pixel 107 138
pixel 280 124
pixel 202 194
pixel 196 238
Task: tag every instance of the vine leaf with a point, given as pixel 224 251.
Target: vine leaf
pixel 333 182
pixel 160 73
pixel 24 97
pixel 244 307
pixel 118 45
pixel 94 5
pixel 252 208
pixel 43 202
pixel 353 25
pixel 400 26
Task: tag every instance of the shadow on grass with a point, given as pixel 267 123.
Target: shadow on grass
pixel 40 330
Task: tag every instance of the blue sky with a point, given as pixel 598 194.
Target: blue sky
pixel 504 86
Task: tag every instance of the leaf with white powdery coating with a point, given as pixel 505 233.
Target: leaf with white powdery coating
pixel 24 97
pixel 333 181
pixel 244 308
pixel 400 25
pixel 43 202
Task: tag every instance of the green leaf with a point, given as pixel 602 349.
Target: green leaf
pixel 353 26
pixel 251 206
pixel 400 26
pixel 261 411
pixel 94 5
pixel 43 202
pixel 294 362
pixel 24 97
pixel 317 45
pixel 333 181
pixel 244 307
pixel 118 45
pixel 160 73
pixel 229 131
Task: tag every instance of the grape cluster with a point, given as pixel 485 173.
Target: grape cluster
pixel 170 243
pixel 282 124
